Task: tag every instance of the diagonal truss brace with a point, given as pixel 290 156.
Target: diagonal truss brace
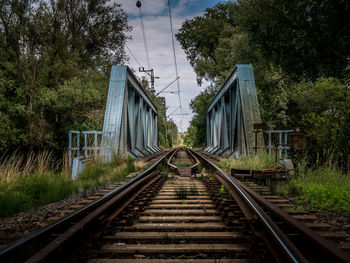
pixel 130 115
pixel 232 113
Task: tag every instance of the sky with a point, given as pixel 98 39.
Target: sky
pixel 158 35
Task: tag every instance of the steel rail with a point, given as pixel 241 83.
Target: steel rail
pixel 47 253
pixel 335 254
pixel 172 166
pixel 330 253
pixel 287 248
pixel 21 246
pixel 191 155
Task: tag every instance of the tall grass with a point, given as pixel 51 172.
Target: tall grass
pixel 261 161
pixel 16 164
pixel 321 188
pixel 30 182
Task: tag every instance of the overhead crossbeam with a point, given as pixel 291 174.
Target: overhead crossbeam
pixel 130 115
pixel 232 113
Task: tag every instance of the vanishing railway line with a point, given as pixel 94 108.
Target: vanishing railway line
pixel 158 216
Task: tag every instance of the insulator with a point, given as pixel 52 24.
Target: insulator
pixel 138 3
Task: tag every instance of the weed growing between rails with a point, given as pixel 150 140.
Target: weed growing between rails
pixel 178 164
pixel 25 190
pixel 182 192
pixel 261 161
pixel 321 188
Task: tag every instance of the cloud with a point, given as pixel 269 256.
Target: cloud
pixel 149 7
pixel 158 34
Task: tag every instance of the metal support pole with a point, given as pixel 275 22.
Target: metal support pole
pixel 70 148
pixel 166 132
pixel 152 79
pixel 285 145
pixel 270 143
pixel 78 144
pixel 85 144
pixel 280 144
pixel 95 144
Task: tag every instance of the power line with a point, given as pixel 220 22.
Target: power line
pixel 133 55
pixel 167 86
pixel 175 62
pixel 144 39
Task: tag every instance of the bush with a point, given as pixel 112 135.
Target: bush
pixel 261 161
pixel 26 191
pixel 321 188
pixel 181 192
pixel 34 190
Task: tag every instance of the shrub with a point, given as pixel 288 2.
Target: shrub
pixel 20 192
pixel 321 188
pixel 193 190
pixel 261 161
pixel 181 192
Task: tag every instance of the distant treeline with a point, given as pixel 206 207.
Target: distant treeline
pixel 55 60
pixel 300 52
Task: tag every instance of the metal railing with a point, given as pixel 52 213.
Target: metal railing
pixel 97 145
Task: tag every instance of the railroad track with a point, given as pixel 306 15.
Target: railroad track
pixel 162 216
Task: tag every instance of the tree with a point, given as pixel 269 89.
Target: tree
pixel 306 38
pixel 300 53
pixel 199 37
pixel 324 114
pixel 214 60
pixel 54 65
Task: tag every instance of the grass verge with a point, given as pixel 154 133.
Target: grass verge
pixel 22 191
pixel 321 188
pixel 259 162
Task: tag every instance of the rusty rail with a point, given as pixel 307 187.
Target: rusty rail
pixel 73 225
pixel 283 249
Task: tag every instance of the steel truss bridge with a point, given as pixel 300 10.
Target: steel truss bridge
pixel 232 114
pixel 130 122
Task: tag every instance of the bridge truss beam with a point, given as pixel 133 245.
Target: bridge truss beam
pixel 231 115
pixel 130 116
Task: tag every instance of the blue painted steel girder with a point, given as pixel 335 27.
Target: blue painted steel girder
pixel 232 113
pixel 130 115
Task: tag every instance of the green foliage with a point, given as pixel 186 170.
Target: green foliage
pixel 164 170
pixel 261 161
pixel 54 67
pixel 300 56
pixel 193 190
pixel 130 164
pixel 324 112
pixel 32 191
pixel 305 38
pixel 181 192
pixel 178 164
pixel 222 189
pixel 28 191
pixel 321 188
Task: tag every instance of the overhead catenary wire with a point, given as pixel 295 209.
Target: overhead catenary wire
pixel 144 39
pixel 133 55
pixel 174 54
